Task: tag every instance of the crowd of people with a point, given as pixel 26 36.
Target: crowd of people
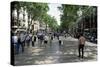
pixel 22 39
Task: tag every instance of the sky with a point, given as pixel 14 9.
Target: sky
pixel 54 11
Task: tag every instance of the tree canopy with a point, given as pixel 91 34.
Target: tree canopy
pixel 70 14
pixel 36 11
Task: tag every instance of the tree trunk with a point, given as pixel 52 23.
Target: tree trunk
pixel 28 22
pixel 23 14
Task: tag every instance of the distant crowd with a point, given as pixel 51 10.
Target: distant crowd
pixel 21 39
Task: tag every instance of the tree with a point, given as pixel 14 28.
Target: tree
pixel 69 15
pixel 16 6
pixel 50 21
pixel 35 11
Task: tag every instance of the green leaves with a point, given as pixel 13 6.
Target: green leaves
pixel 69 14
pixel 50 21
pixel 36 11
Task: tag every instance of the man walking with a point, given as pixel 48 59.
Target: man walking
pixel 45 40
pixel 60 41
pixel 41 38
pixel 33 40
pixel 81 45
pixel 15 44
pixel 28 40
pixel 22 39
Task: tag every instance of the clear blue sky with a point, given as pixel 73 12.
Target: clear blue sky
pixel 54 11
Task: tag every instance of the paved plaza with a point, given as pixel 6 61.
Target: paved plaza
pixel 53 53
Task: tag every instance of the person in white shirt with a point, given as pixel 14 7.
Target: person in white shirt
pixel 45 40
pixel 60 41
pixel 14 45
pixel 81 45
pixel 28 40
pixel 15 39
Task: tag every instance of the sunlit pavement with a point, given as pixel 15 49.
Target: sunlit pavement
pixel 68 52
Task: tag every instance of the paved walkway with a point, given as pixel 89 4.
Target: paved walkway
pixel 56 54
